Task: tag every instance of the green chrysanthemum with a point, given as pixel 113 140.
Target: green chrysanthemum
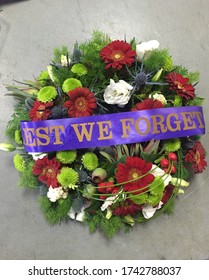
pixel 139 198
pixel 70 84
pixel 18 137
pixel 154 199
pixel 90 161
pixel 67 156
pixel 68 177
pixel 43 78
pixel 47 94
pixel 79 69
pixel 172 145
pixel 177 101
pixel 19 163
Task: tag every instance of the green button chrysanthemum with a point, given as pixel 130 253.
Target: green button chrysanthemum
pixel 79 69
pixel 70 84
pixel 47 94
pixel 67 177
pixel 90 161
pixel 67 156
pixel 43 77
pixel 19 163
pixel 172 145
pixel 18 137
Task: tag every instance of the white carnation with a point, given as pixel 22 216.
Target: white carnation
pixel 117 93
pixel 143 49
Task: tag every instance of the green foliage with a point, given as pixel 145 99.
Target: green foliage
pixel 192 76
pixel 91 59
pixel 109 226
pixel 58 52
pixel 198 101
pixel 27 179
pixel 54 212
pixel 169 207
pixel 159 59
pixel 20 114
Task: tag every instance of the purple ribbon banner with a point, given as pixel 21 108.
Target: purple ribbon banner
pixel 112 129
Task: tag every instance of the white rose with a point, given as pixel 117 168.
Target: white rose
pixel 145 48
pixel 117 93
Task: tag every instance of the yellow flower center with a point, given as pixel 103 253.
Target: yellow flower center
pixel 81 104
pixel 117 55
pixel 180 86
pixel 197 157
pixel 134 173
pixel 49 172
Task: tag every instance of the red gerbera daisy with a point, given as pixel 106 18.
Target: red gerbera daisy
pixel 47 169
pixel 148 103
pixel 127 207
pixel 40 111
pixel 81 102
pixel 196 156
pixel 134 168
pixel 117 54
pixel 180 84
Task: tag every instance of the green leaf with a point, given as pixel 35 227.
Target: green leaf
pixel 107 156
pixel 185 173
pixel 149 157
pixel 15 92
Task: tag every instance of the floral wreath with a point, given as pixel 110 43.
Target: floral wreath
pixel 114 187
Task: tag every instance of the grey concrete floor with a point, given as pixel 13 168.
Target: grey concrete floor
pixel 29 30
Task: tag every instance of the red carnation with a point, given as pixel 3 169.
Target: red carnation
pixel 81 102
pixel 167 193
pixel 148 103
pixel 47 169
pixel 127 207
pixel 134 168
pixel 180 84
pixel 117 54
pixel 107 187
pixel 40 111
pixel 196 156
